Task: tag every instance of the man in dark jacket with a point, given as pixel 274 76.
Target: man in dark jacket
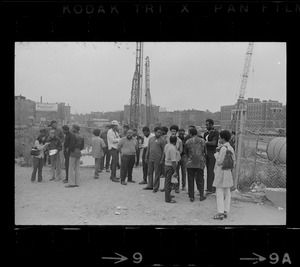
pixel 211 137
pixel 54 144
pixel 182 162
pixel 76 145
pixel 66 145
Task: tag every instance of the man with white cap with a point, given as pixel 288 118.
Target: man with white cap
pixel 113 139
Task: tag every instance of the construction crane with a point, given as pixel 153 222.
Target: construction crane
pixel 239 114
pixel 148 101
pixel 240 110
pixel 135 99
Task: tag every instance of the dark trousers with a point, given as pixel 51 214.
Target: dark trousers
pixel 210 165
pixel 162 170
pixel 198 175
pixel 127 163
pixel 114 159
pixel 138 151
pixel 154 166
pixel 67 160
pixel 118 162
pixel 145 165
pixel 45 158
pixel 38 164
pixel 181 165
pixel 106 155
pixel 168 185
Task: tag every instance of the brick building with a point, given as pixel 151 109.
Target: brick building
pixel 24 112
pixel 30 113
pixel 265 115
pixel 260 115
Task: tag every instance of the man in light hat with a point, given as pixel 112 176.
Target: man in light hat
pixel 113 139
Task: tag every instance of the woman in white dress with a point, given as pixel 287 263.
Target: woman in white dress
pixel 223 177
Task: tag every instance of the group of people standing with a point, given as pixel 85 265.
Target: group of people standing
pixel 176 157
pixel 55 143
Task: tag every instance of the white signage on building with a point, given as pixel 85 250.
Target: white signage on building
pixel 46 106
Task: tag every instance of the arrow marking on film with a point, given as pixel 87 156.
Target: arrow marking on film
pixel 120 258
pixel 258 259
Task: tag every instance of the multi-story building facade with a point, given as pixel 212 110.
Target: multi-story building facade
pixel 29 112
pixel 226 116
pixel 260 115
pixel 24 112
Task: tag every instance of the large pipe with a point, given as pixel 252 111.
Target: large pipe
pixel 276 150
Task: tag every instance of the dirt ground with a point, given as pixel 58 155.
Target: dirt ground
pixel 95 202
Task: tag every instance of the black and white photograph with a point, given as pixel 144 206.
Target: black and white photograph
pixel 150 133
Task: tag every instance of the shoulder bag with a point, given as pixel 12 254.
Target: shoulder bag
pixel 228 160
pixel 34 151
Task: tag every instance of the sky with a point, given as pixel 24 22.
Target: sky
pixel 183 75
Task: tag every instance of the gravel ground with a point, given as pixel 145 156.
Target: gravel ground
pixel 95 202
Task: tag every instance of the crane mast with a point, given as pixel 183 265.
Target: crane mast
pixel 148 101
pixel 135 99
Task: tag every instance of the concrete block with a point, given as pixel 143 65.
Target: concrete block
pixel 277 196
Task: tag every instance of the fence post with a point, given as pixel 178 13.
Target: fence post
pixel 256 147
pixel 239 148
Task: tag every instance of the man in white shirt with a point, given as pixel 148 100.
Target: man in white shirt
pixel 144 146
pixel 172 157
pixel 112 143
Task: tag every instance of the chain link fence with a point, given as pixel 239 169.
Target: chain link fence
pixel 262 154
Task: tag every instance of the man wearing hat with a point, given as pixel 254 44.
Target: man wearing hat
pixel 112 142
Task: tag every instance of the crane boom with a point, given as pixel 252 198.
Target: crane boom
pixel 246 69
pixel 240 105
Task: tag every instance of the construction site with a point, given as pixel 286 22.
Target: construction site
pixel 259 189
